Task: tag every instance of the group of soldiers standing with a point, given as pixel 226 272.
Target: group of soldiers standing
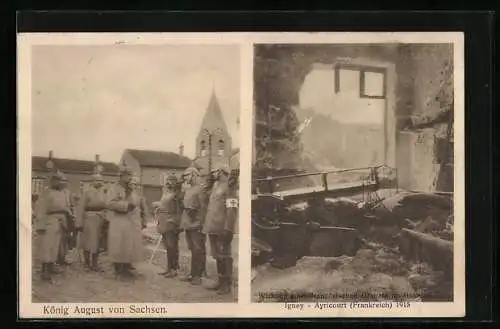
pixel 121 213
pixel 203 207
pixel 200 207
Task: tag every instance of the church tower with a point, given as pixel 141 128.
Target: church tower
pixel 213 144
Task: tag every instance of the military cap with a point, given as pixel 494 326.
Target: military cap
pixel 191 171
pixel 172 178
pixel 58 175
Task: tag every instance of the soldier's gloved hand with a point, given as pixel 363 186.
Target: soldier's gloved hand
pixel 130 207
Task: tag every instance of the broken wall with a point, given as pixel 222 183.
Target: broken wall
pixel 424 86
pixel 425 90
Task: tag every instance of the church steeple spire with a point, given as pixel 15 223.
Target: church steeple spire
pixel 213 118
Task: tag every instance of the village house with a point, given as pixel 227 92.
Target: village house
pixel 78 172
pixel 152 168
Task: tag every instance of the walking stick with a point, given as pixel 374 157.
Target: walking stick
pixel 157 246
pixel 155 249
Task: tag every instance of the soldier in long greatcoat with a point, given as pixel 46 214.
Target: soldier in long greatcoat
pixel 52 211
pixel 192 219
pixel 125 224
pixel 89 221
pixel 219 225
pixel 169 215
pixel 68 234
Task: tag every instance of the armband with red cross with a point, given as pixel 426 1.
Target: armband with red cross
pixel 232 203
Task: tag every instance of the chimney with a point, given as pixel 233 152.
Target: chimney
pixel 97 158
pixel 50 163
pixel 181 150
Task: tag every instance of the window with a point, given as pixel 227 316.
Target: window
pixel 221 148
pixel 37 185
pixel 203 148
pixel 371 80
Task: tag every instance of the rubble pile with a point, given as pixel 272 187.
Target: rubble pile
pixel 406 253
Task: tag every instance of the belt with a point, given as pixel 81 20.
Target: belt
pixel 165 212
pixel 58 212
pixel 94 209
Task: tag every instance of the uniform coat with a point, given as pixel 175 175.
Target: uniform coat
pixel 192 219
pixel 125 231
pixel 90 217
pixel 169 212
pixel 193 204
pixel 222 210
pixel 51 211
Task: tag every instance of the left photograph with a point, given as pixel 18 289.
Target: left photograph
pixel 135 173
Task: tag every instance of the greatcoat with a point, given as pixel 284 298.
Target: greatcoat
pixel 125 227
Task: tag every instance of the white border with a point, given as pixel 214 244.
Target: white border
pixel 243 308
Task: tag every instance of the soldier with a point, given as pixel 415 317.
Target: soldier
pixel 52 211
pixel 89 221
pixel 124 235
pixel 169 212
pixel 68 240
pixel 142 213
pixel 219 224
pixel 191 222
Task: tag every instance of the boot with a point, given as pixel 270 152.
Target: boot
pixel 195 281
pixel 220 277
pixel 51 268
pixel 95 263
pixel 45 273
pixel 171 268
pixel 86 258
pixel 118 269
pixel 128 270
pixel 196 270
pixel 225 287
pixel 189 277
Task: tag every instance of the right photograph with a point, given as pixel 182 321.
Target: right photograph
pixel 352 173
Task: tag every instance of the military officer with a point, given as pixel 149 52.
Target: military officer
pixel 52 210
pixel 169 212
pixel 124 233
pixel 191 222
pixel 89 221
pixel 68 239
pixel 219 225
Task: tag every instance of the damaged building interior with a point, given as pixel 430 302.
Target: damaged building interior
pixel 353 171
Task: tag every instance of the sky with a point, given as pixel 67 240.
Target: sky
pixel 89 100
pixel 318 93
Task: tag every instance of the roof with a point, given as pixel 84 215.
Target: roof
pixel 161 159
pixel 213 118
pixel 73 165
